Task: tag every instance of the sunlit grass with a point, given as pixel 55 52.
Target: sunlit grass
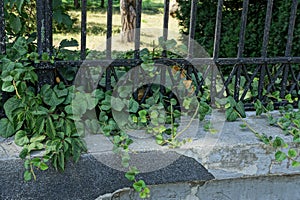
pixel 151 28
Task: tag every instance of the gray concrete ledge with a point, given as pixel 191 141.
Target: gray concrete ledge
pixel 88 179
pixel 252 188
pixel 230 164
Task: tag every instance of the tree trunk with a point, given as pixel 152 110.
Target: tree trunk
pixel 128 19
pixel 102 4
pixel 76 4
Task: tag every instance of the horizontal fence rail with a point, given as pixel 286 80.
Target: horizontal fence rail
pixel 266 74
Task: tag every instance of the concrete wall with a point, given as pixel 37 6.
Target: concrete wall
pixel 230 164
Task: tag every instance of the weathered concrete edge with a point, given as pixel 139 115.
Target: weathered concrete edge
pixel 88 179
pixel 283 187
pixel 236 154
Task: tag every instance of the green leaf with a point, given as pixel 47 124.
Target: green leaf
pixel 117 103
pixel 138 186
pixel 37 138
pixel 243 126
pixel 296 139
pixel 20 5
pixel 241 109
pixel 21 46
pixel 231 115
pixel 60 92
pixel 50 129
pixel 142 113
pixel 145 193
pixel 231 101
pixel 68 43
pixel 21 138
pixel 40 111
pixel 258 107
pixel 23 153
pixel 50 97
pixel 133 106
pixel 292 153
pixel 295 163
pixel 187 103
pixel 15 23
pixel 27 175
pixel 278 142
pixel 40 125
pixel 125 162
pixel 99 94
pixel 7 86
pixel 6 127
pixel 61 161
pixel 173 101
pixel 159 139
pixel 130 175
pixel 270 106
pixel 43 166
pixel 280 156
pixel 27 164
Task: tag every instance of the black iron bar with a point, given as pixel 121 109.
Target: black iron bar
pixel 288 49
pixel 267 28
pixel 2 28
pixel 218 30
pixel 165 26
pixel 137 30
pixel 193 19
pixel 109 29
pixel 243 29
pixel 83 30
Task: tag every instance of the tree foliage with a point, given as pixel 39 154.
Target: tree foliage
pixel 231 22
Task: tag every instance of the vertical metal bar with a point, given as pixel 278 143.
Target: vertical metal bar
pixel 4 96
pixel 166 25
pixel 293 15
pixel 237 83
pixel 40 9
pixel 163 70
pixel 44 26
pixel 267 28
pixel 261 82
pixel 108 79
pixel 241 48
pixel 216 50
pixel 44 40
pixel 218 30
pixel 243 29
pixel 264 48
pixel 109 28
pixel 288 48
pixel 137 30
pixel 48 23
pixel 83 30
pixel 193 19
pixel 2 28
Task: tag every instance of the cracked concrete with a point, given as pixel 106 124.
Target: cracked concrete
pixel 243 168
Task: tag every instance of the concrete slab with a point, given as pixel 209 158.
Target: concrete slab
pixel 234 157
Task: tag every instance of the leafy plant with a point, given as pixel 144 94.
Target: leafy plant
pixel 288 122
pixel 38 119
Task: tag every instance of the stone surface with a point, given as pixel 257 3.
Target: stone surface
pixel 87 179
pixel 258 188
pixel 239 162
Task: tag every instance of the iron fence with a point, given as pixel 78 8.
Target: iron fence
pixel 287 66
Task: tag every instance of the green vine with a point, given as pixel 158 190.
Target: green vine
pixel 288 121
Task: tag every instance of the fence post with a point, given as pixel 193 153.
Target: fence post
pixel 2 50
pixel 45 70
pixel 2 28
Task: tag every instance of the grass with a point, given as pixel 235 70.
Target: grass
pixel 151 26
pixel 148 6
